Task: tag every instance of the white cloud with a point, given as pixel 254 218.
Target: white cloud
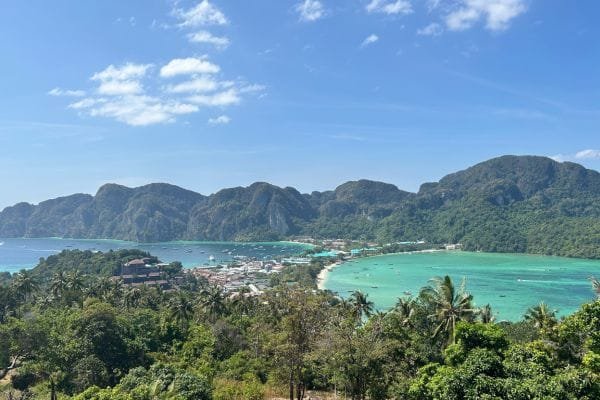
pixel 188 66
pixel 204 13
pixel 389 7
pixel 372 38
pixel 199 85
pixel 141 110
pixel 65 92
pixel 128 71
pixel 433 29
pixel 116 88
pixel 587 154
pixel 219 99
pixel 496 13
pixel 310 10
pixel 206 37
pixel 220 120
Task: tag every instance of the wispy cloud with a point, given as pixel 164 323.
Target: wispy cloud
pixel 310 10
pixel 205 37
pixel 220 120
pixel 203 14
pixel 389 7
pixel 587 154
pixel 369 40
pixel 188 66
pixel 65 92
pixel 433 29
pixel 496 13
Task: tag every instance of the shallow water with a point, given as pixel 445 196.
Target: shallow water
pixel 510 283
pixel 16 254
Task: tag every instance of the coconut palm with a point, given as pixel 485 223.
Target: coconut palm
pixel 449 305
pixel 213 302
pixel 405 309
pixel 132 297
pixel 180 309
pixel 58 284
pixel 361 306
pixel 25 284
pixel 486 315
pixel 541 316
pixel 75 281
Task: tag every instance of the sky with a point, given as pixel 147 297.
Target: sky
pixel 305 93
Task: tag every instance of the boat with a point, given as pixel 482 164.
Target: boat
pixel 374 287
pixel 407 293
pixel 211 258
pixel 1 243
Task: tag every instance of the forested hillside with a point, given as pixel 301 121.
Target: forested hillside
pixel 507 204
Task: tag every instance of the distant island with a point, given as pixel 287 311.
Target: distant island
pixel 507 204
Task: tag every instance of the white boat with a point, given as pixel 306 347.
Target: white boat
pixel 211 258
pixel 1 243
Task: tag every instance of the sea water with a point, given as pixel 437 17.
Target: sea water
pixel 510 283
pixel 16 254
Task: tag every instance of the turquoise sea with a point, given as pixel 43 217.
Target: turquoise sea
pixel 16 254
pixel 510 283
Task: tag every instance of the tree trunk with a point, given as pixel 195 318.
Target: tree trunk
pixel 291 385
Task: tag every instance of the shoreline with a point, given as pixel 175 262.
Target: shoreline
pixel 321 278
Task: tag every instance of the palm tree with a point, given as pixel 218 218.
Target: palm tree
pixel 25 284
pixel 405 309
pixel 541 316
pixel 361 306
pixel 213 302
pixel 132 297
pixel 449 305
pixel 180 309
pixel 75 281
pixel 58 285
pixel 595 285
pixel 486 315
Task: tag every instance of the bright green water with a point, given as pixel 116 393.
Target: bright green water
pixel 510 283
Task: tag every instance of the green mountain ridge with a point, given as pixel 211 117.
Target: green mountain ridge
pixel 510 204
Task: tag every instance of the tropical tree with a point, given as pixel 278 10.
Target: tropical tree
pixel 541 316
pixel 449 305
pixel 181 309
pixel 213 302
pixel 75 281
pixel 405 309
pixel 361 305
pixel 25 284
pixel 132 297
pixel 486 315
pixel 58 284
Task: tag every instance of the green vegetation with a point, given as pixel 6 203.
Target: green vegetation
pixel 68 334
pixel 507 204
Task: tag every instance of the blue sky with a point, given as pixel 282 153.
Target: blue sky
pixel 212 94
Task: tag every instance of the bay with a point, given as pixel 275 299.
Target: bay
pixel 510 283
pixel 16 254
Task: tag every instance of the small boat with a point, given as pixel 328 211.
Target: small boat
pixel 407 293
pixel 1 243
pixel 374 287
pixel 211 258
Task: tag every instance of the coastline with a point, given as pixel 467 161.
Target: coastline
pixel 324 273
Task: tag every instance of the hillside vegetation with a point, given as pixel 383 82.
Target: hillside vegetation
pixel 507 204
